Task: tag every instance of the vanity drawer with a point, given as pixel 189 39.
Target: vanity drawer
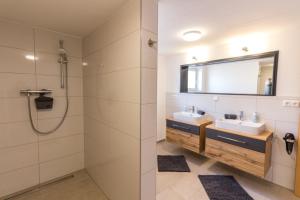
pixel 237 140
pixel 185 140
pixel 250 161
pixel 183 127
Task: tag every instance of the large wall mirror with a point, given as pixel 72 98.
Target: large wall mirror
pixel 246 75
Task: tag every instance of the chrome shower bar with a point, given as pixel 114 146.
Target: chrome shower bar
pixel 43 91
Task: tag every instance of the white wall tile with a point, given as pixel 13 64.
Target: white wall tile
pixel 122 54
pixel 121 85
pixel 233 105
pixel 148 154
pixel 48 41
pixel 59 105
pixel 18 157
pixel 271 108
pixel 148 183
pixel 13 60
pixel 11 84
pixel 284 175
pixel 16 35
pixel 18 141
pixel 124 21
pixel 202 102
pixel 121 115
pixel 150 15
pixel 53 82
pixel 148 121
pixel 60 167
pixel 60 147
pixel 47 64
pixel 72 125
pixel 148 54
pixel 149 85
pixel 10 106
pixel 14 134
pixel 18 180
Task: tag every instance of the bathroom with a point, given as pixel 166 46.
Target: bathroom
pixel 69 131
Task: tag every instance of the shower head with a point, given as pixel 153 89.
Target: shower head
pixel 61 50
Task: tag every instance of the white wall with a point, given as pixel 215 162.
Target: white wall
pixel 278 118
pixel 26 158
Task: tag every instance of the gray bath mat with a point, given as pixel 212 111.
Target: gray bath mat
pixel 223 188
pixel 169 163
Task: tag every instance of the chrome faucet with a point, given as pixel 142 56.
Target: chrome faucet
pixel 241 116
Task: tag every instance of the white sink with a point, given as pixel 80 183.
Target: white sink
pixel 247 127
pixel 187 117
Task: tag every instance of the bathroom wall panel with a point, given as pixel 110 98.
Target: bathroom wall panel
pixel 19 179
pixel 10 106
pixel 59 104
pixel 122 23
pixel 60 147
pixel 46 64
pixel 149 85
pixel 18 157
pixel 61 167
pixel 16 35
pixel 11 84
pixel 148 122
pixel 15 134
pixel 121 115
pixel 149 28
pixel 113 57
pixel 126 89
pixel 75 85
pixel 112 103
pixel 17 139
pixel 47 41
pixel 12 60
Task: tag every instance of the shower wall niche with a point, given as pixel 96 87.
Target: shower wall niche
pixel 28 59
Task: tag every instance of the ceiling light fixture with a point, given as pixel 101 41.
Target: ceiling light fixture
pixel 191 36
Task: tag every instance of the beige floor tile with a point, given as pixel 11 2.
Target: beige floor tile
pixel 81 187
pixel 186 186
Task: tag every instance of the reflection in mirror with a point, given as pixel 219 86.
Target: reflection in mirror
pixel 248 75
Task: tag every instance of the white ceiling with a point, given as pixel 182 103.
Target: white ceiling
pixel 219 18
pixel 76 17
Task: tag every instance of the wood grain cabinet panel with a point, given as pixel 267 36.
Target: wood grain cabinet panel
pixel 248 153
pixel 190 136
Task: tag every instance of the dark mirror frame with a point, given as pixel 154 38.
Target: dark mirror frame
pixel 184 71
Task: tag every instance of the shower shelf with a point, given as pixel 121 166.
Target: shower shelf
pixel 43 91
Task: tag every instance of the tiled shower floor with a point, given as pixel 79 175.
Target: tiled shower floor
pixel 80 187
pixel 186 186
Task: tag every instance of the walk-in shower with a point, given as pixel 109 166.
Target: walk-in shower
pixel 43 102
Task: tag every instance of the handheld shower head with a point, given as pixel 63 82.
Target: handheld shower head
pixel 61 50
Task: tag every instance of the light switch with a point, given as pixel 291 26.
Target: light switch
pixel 291 103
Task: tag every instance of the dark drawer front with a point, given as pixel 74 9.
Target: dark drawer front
pixel 183 127
pixel 237 140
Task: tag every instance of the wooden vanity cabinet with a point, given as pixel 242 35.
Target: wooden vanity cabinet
pixel 190 136
pixel 248 153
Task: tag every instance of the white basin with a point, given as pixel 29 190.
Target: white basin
pixel 187 117
pixel 247 127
